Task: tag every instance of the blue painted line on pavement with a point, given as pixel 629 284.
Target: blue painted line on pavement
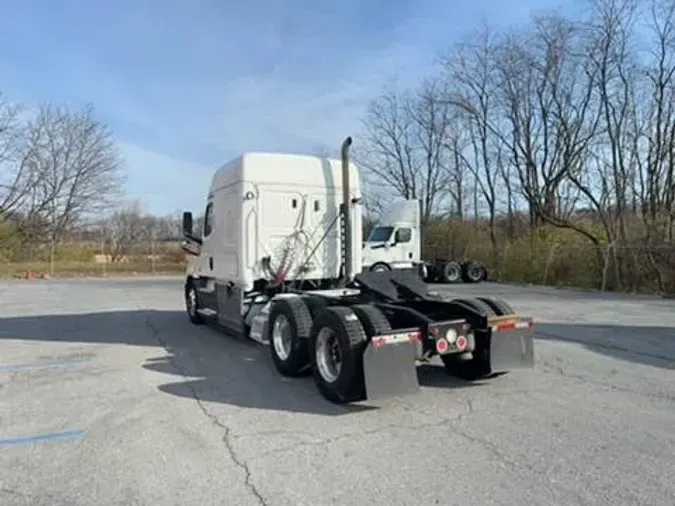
pixel 39 438
pixel 44 363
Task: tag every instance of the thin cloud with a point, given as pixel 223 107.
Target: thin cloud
pixel 187 85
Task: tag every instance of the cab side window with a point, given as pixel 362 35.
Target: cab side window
pixel 208 219
pixel 403 235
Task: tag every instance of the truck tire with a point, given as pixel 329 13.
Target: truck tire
pixel 192 303
pixel 314 304
pixel 477 365
pixel 472 272
pixel 373 321
pixel 451 272
pixel 498 305
pixel 336 347
pixel 430 274
pixel 470 369
pixel 423 272
pixel 290 324
pixel 480 306
pixel 380 267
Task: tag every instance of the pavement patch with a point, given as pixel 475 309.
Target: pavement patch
pixel 41 364
pixel 40 438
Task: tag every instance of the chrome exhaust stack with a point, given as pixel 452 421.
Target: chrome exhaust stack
pixel 347 212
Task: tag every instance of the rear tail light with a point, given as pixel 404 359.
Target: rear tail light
pixel 442 346
pixel 461 343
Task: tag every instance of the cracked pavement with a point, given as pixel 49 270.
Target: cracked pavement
pixel 177 414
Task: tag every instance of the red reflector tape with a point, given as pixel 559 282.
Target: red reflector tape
pixel 513 325
pixel 379 341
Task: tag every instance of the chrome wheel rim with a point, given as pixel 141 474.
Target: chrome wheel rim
pixel 192 301
pixel 281 337
pixel 328 357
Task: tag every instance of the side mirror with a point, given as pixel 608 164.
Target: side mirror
pixel 187 223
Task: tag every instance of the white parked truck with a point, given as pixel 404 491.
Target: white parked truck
pixel 396 243
pixel 276 262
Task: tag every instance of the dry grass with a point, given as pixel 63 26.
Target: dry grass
pixel 69 269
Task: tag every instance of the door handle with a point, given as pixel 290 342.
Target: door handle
pixel 211 263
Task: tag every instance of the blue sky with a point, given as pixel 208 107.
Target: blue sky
pixel 186 85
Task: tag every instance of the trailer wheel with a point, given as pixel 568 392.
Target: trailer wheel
pixel 192 304
pixel 290 324
pixel 473 272
pixel 498 305
pixel 380 267
pixel 373 320
pixel 451 273
pixel 336 346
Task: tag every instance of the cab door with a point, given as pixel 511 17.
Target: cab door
pixel 206 285
pixel 404 243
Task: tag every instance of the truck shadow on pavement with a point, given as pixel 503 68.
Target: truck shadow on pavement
pixel 653 346
pixel 224 369
pixel 211 365
pixel 219 368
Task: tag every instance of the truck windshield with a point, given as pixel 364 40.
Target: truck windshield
pixel 380 234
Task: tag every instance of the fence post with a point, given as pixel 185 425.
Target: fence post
pixel 605 267
pixel 549 261
pixel 152 253
pixel 104 263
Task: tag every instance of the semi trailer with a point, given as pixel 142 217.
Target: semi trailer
pixel 279 262
pixel 396 243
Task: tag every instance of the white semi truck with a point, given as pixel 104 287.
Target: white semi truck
pixel 276 262
pixel 396 243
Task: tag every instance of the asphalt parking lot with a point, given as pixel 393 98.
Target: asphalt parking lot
pixel 109 396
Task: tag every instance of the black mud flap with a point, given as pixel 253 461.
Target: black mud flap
pixel 389 368
pixel 512 349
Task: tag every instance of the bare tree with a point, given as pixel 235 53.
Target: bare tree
pixel 388 150
pixel 124 230
pixel 431 118
pixel 75 169
pixel 654 139
pixel 14 176
pixel 471 72
pixel 549 105
pixel 404 144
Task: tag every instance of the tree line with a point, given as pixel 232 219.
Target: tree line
pixel 556 134
pixel 547 151
pixel 62 180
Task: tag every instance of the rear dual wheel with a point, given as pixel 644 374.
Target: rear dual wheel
pixel 338 340
pixel 451 272
pixel 477 364
pixel 289 325
pixel 330 345
pixel 336 345
pixel 306 335
pixel 473 272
